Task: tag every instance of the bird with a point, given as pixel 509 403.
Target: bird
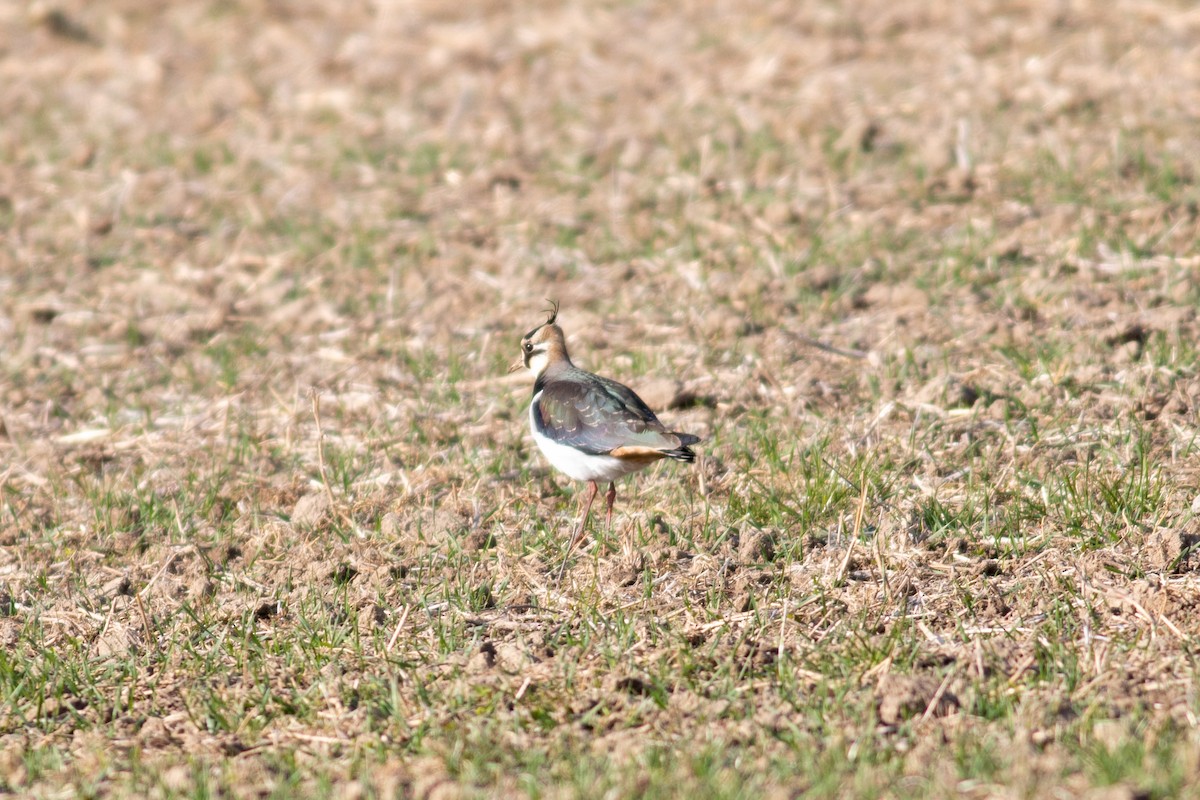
pixel 590 428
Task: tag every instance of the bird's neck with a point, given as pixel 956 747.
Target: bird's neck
pixel 555 368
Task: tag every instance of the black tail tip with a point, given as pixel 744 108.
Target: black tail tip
pixel 684 451
pixel 683 454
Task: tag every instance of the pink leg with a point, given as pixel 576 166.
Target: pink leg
pixel 587 508
pixel 610 497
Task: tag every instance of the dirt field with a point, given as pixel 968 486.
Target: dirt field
pixel 924 274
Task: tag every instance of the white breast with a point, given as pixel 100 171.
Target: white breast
pixel 578 465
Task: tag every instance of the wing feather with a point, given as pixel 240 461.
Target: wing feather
pixel 597 416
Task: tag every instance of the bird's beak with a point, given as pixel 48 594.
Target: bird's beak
pixel 516 365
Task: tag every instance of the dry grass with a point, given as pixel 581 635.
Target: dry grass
pixel 948 554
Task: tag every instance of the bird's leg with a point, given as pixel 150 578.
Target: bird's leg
pixel 610 497
pixel 587 508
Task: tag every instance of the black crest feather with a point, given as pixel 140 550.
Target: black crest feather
pixel 553 312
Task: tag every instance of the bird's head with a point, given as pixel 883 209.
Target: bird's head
pixel 542 346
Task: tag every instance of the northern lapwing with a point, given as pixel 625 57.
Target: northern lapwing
pixel 591 428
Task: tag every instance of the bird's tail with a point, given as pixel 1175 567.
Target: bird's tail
pixel 684 451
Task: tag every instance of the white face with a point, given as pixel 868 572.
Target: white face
pixel 536 356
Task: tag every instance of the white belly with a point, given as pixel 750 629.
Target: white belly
pixel 582 466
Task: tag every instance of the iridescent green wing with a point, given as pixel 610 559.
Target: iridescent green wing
pixel 596 415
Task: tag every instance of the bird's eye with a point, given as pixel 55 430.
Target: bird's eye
pixel 528 347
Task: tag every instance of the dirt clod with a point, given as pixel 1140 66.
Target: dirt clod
pixel 484 659
pixel 756 547
pixel 903 697
pixel 311 510
pixel 1172 550
pixel 633 685
pixel 266 609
